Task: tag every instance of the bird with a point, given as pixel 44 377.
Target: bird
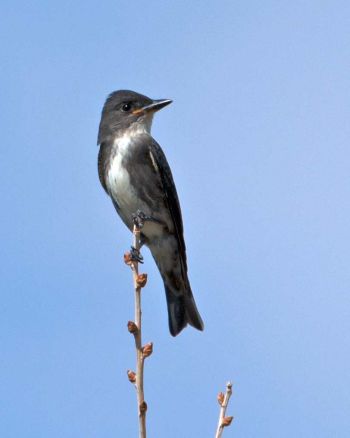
pixel 135 173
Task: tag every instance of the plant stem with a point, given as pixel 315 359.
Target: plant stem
pixel 142 407
pixel 223 420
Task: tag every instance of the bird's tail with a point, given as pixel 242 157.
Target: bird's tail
pixel 171 262
pixel 182 310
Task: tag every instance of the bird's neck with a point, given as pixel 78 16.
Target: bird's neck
pixel 127 137
pixel 140 127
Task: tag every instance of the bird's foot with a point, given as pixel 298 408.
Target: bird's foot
pixel 135 255
pixel 139 218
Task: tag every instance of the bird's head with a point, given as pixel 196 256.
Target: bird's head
pixel 126 109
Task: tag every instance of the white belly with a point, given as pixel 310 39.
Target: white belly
pixel 125 194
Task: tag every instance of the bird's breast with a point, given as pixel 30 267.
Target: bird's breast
pixel 132 186
pixel 118 180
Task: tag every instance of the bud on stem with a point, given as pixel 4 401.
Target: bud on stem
pixel 226 421
pixel 132 327
pixel 143 407
pixel 220 398
pixel 147 350
pixel 127 258
pixel 131 376
pixel 141 280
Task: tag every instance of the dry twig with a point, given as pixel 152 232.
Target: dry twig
pixel 223 400
pixel 135 327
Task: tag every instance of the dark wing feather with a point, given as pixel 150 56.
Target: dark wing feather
pixel 104 156
pixel 161 165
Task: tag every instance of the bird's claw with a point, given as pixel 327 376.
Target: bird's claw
pixel 135 255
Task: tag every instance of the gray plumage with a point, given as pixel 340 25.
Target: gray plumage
pixel 134 172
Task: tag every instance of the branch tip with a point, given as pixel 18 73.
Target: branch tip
pixel 223 400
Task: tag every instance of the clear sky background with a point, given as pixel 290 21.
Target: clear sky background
pixel 258 141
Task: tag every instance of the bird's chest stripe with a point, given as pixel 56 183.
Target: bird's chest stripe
pixel 118 178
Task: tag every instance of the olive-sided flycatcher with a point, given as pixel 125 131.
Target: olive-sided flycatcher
pixel 135 173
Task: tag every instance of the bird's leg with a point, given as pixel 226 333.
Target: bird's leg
pixel 139 218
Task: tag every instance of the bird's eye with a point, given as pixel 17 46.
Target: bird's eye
pixel 126 107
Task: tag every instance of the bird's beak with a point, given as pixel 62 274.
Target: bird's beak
pixel 156 105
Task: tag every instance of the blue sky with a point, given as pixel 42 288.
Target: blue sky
pixel 258 141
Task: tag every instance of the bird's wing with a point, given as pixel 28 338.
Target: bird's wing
pixel 103 162
pixel 161 167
